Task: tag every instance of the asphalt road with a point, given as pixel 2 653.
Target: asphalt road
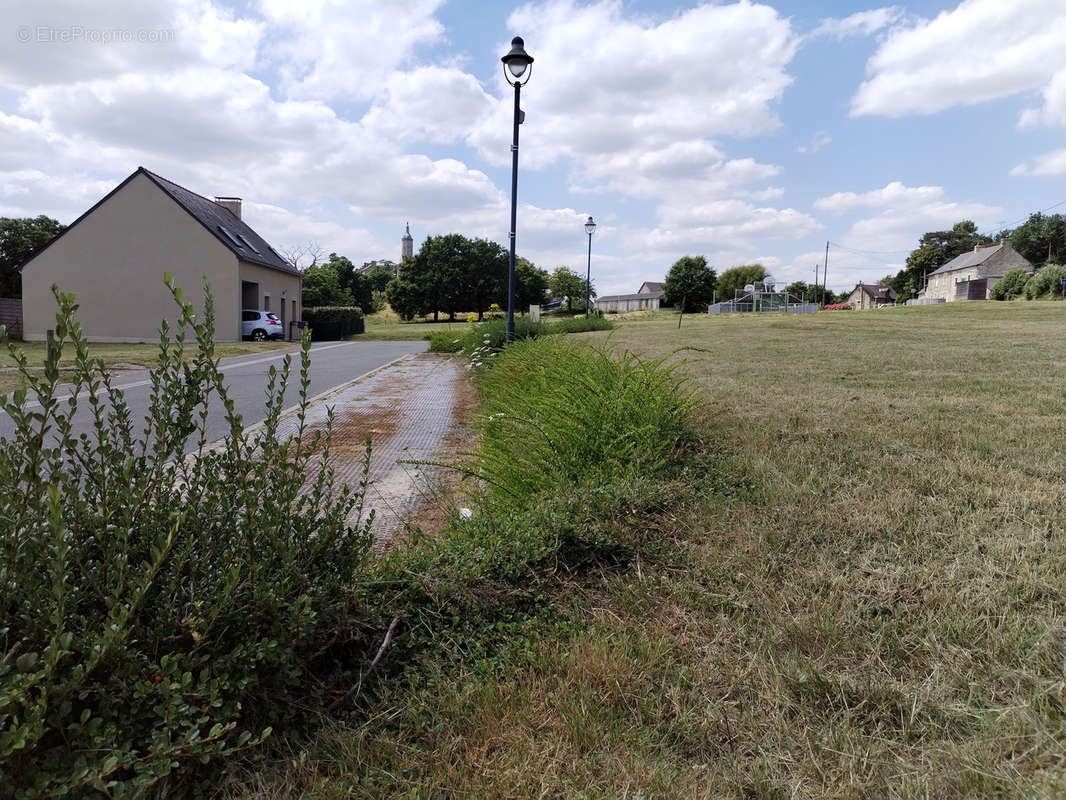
pixel 332 364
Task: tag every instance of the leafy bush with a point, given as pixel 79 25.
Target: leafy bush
pixel 1011 285
pixel 445 342
pixel 161 611
pixel 334 322
pixel 580 325
pixel 558 413
pixel 1047 282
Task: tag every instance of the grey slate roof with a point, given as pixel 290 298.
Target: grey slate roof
pixel 992 260
pixel 221 221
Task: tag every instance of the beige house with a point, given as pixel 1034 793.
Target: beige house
pixel 113 258
pixel 972 275
pixel 867 295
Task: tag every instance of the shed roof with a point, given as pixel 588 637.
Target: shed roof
pixel 644 296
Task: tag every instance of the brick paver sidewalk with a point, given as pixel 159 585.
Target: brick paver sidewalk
pixel 407 408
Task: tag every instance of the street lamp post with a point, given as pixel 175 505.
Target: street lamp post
pixel 517 68
pixel 590 228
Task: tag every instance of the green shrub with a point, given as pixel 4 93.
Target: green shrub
pixel 161 611
pixel 580 325
pixel 329 323
pixel 492 333
pixel 445 342
pixel 1011 285
pixel 1047 282
pixel 558 413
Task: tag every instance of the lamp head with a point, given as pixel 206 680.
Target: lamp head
pixel 517 64
pixel 590 226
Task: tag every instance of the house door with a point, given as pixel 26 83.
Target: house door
pixel 249 295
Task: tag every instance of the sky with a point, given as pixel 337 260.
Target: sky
pixel 740 131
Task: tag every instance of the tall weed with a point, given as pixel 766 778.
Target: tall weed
pixel 557 413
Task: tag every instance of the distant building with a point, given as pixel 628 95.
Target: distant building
pixel 391 266
pixel 648 298
pixel 407 244
pixel 867 295
pixel 972 275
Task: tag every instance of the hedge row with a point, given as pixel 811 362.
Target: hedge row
pixel 334 322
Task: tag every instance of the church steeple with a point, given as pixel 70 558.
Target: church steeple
pixel 407 244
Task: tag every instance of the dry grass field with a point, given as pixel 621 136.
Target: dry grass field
pixel 876 610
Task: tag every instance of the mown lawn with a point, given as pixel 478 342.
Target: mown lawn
pixel 876 608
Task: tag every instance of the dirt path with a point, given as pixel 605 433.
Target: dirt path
pixel 410 410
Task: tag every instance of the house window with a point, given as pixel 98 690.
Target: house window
pixel 266 302
pixel 293 310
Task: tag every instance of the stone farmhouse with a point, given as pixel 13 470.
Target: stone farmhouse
pixel 648 298
pixel 113 258
pixel 866 295
pixel 972 275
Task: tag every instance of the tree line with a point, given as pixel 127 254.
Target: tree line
pixel 451 274
pixel 693 285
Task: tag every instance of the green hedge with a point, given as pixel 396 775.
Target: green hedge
pixel 334 322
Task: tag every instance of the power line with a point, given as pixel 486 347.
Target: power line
pixel 1041 211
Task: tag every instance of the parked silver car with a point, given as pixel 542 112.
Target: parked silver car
pixel 261 325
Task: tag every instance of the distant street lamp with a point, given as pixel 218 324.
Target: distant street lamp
pixel 590 228
pixel 517 69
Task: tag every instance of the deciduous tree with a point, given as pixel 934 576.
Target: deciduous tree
pixel 19 239
pixel 736 278
pixel 690 282
pixel 564 282
pixel 531 285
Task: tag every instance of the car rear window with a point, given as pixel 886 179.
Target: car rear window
pixel 271 316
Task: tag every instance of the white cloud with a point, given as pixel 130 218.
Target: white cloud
pixel 345 48
pixel 981 50
pixel 412 105
pixel 893 194
pixel 1053 163
pixel 317 115
pixel 862 23
pixel 62 196
pixel 68 40
pixel 607 82
pixel 820 140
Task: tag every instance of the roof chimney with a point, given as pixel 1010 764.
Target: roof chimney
pixel 231 204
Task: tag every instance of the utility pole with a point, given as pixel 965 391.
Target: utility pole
pixel 825 270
